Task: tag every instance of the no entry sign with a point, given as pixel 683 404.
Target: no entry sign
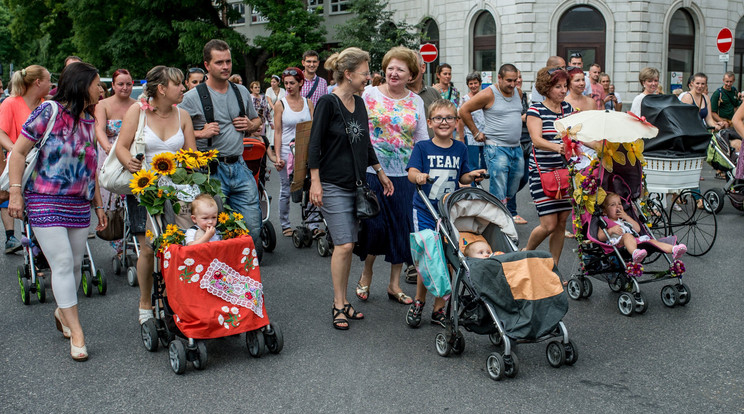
pixel 429 52
pixel 724 40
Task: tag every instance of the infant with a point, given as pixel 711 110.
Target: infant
pixel 204 216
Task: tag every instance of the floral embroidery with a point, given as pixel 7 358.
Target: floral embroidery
pixel 187 274
pixel 224 282
pixel 249 260
pixel 231 318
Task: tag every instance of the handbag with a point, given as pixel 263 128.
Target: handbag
pixel 554 182
pixel 31 157
pixel 427 252
pixel 113 176
pixel 116 216
pixel 365 200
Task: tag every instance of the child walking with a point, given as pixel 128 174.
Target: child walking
pixel 445 161
pixel 204 215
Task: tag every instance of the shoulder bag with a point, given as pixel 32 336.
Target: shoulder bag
pixel 555 182
pixel 32 155
pixel 116 216
pixel 367 205
pixel 113 176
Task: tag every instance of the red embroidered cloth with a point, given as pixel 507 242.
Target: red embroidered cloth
pixel 214 288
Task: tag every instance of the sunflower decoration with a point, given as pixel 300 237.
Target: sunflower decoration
pixel 231 225
pixel 189 158
pixel 164 163
pixel 141 180
pixel 171 235
pixel 635 152
pixel 223 217
pixel 611 154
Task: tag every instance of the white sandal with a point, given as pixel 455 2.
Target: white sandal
pixel 145 315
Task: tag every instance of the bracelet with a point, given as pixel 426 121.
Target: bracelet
pixel 377 171
pixel 16 185
pixel 101 207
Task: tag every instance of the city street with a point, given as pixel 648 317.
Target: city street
pixel 668 360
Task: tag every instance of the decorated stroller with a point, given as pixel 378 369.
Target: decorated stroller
pixel 723 157
pixel 618 169
pixel 254 155
pixel 516 297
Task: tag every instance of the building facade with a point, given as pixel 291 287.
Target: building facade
pixel 678 37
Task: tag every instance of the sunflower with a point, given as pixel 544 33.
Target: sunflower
pixel 149 235
pixel 172 229
pixel 142 179
pixel 164 163
pixel 237 216
pixel 188 158
pixel 211 154
pixel 223 217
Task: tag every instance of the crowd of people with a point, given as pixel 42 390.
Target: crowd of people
pixel 390 129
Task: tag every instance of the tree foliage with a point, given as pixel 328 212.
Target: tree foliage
pixel 294 29
pixel 373 29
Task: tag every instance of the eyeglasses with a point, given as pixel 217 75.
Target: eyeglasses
pixel 290 72
pixel 196 70
pixel 365 74
pixel 440 119
pixel 576 55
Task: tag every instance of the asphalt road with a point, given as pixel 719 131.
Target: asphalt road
pixel 669 360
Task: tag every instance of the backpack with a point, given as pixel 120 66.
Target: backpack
pixel 206 101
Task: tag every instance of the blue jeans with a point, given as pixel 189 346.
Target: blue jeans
pixel 512 203
pixel 506 167
pixel 241 194
pixel 476 157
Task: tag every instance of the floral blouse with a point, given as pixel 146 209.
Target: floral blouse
pixel 395 125
pixel 67 162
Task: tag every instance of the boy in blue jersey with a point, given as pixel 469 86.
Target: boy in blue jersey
pixel 445 161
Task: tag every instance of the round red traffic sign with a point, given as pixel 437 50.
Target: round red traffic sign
pixel 724 40
pixel 429 52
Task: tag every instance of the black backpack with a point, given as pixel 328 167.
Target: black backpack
pixel 208 108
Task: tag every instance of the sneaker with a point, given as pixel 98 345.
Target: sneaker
pixel 413 317
pixel 12 245
pixel 678 251
pixel 411 275
pixel 438 318
pixel 639 255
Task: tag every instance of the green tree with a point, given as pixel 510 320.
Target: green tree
pixel 373 29
pixel 294 29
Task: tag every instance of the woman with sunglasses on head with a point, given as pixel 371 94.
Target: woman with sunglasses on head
pixel 288 112
pixel 61 191
pixel 576 87
pixel 273 94
pixel 397 121
pixel 547 156
pixel 261 104
pixel 339 145
pixel 194 77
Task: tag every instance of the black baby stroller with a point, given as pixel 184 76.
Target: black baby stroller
pixel 515 297
pixel 723 157
pixel 126 259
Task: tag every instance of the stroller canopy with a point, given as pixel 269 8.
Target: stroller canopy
pixel 473 210
pixel 681 132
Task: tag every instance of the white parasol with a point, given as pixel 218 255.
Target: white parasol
pixel 618 127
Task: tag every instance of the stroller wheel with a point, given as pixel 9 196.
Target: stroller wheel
pixel 132 276
pixel 268 237
pixel 177 356
pixel 626 303
pixel 574 288
pixel 40 289
pixel 24 285
pixel 495 338
pixel 616 282
pixel 324 250
pixel 131 260
pixel 669 296
pixel 201 356
pixel 101 282
pixel 511 365
pixel 641 303
pixel 458 346
pixel 683 293
pixel 149 333
pixel 86 282
pixel 273 338
pixel 572 355
pixel 495 366
pixel 716 198
pixel 254 340
pixel 556 353
pixel 587 288
pixel 116 265
pixel 443 346
pixel 297 237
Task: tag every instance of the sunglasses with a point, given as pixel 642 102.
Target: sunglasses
pixel 196 70
pixel 554 70
pixel 290 72
pixel 576 55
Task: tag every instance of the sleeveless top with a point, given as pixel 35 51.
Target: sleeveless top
pixel 154 145
pixel 703 107
pixel 503 120
pixel 290 119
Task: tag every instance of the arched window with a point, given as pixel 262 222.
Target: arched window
pixel 430 34
pixel 739 54
pixel 582 29
pixel 484 43
pixel 681 52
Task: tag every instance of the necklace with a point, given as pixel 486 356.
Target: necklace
pixel 504 96
pixel 390 93
pixel 552 106
pixel 158 112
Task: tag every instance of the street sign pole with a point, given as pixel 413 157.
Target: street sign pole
pixel 724 40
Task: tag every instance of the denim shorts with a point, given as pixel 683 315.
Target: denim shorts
pixel 506 167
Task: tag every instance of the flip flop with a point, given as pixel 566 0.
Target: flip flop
pixel 569 235
pixel 287 232
pixel 519 220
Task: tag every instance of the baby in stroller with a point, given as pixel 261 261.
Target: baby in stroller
pixel 204 215
pixel 623 231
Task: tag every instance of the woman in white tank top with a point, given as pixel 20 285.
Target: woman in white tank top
pixel 165 130
pixel 288 112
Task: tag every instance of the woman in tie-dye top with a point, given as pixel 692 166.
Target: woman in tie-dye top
pixel 396 122
pixel 62 189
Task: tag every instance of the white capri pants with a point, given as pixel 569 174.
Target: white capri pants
pixel 64 249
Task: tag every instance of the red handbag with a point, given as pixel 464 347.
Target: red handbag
pixel 555 183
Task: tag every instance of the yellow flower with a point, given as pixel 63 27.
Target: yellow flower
pixel 189 158
pixel 611 155
pixel 142 179
pixel 211 154
pixel 172 229
pixel 223 217
pixel 160 193
pixel 164 163
pixel 238 216
pixel 635 151
pixel 149 234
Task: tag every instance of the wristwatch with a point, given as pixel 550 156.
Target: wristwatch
pixel 377 170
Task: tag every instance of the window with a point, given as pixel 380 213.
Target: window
pixel 314 4
pixel 681 51
pixel 238 8
pixel 582 29
pixel 339 6
pixel 484 43
pixel 738 52
pixel 257 18
pixel 430 34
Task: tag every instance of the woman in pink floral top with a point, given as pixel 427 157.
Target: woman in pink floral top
pixel 396 122
pixel 60 192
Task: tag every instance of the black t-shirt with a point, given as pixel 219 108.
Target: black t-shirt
pixel 329 149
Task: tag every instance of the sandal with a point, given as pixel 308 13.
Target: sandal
pixel 720 175
pixel 400 297
pixel 569 235
pixel 362 292
pixel 339 323
pixel 145 315
pixel 60 326
pixel 351 313
pixel 287 232
pixel 318 233
pixel 413 317
pixel 438 318
pixel 519 220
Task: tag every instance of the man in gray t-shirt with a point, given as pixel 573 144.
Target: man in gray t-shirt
pixel 226 134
